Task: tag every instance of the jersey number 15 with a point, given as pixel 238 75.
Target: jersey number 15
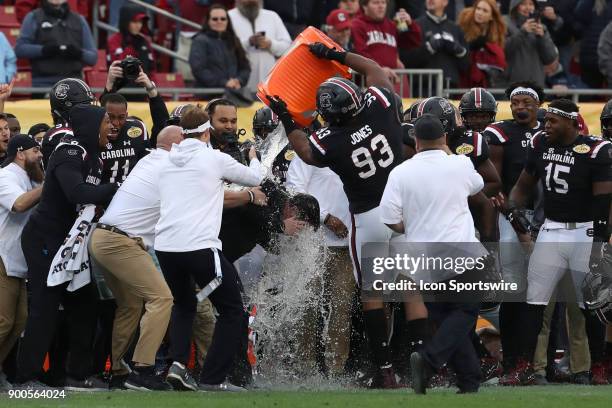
pixel 362 156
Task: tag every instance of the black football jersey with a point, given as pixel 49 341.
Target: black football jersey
pixel 363 152
pixel 515 139
pixel 281 163
pixel 121 155
pixel 472 145
pixel 567 174
pixel 51 139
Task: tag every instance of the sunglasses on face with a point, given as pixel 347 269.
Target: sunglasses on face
pixel 218 18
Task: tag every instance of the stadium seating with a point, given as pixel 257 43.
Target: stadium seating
pixel 23 79
pixel 171 80
pixel 8 18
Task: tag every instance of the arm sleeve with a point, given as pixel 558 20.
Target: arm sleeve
pixel 495 135
pixel 318 148
pixel 601 164
pixel 198 60
pixel 391 201
pixel 9 190
pixel 90 52
pixel 68 174
pixel 26 47
pixel 474 180
pixel 531 166
pixel 235 172
pixel 413 38
pixel 281 40
pixel 160 115
pixel 481 151
pixel 546 48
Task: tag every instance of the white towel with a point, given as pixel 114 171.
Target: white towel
pixel 71 262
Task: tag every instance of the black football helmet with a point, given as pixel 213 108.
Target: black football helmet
pixel 441 108
pixel 410 113
pixel 264 122
pixel 177 114
pixel 606 121
pixel 597 293
pixel 477 100
pixel 338 100
pixel 66 94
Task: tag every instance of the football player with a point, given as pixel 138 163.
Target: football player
pixel 65 94
pixel 478 108
pixel 128 140
pixel 606 121
pixel 361 143
pixel 576 172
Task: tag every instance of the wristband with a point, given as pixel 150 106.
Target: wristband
pixel 251 196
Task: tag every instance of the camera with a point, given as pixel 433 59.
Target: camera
pixel 131 68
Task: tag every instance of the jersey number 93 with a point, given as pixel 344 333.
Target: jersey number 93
pixel 363 157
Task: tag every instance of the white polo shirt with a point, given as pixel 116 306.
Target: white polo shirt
pixel 429 193
pixel 324 185
pixel 135 206
pixel 14 182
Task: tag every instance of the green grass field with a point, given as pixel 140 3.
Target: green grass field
pixel 490 397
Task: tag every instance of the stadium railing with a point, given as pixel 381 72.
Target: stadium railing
pixel 574 94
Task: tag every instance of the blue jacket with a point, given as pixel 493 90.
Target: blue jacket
pixel 8 61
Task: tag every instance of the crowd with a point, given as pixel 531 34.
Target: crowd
pixel 131 245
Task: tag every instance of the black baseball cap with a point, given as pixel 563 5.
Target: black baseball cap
pixel 18 143
pixel 428 127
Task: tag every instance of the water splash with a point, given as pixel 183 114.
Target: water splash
pixel 291 310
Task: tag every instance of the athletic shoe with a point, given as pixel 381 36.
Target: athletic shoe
pixel 227 387
pixel 33 385
pixel 521 375
pixel 491 371
pixel 581 378
pixel 421 372
pixel 144 379
pixel 540 379
pixel 90 384
pixel 180 379
pixel 117 382
pixel 598 374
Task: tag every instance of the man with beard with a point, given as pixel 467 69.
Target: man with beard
pixel 20 179
pixel 57 41
pixel 72 178
pixel 5 134
pixel 508 145
pixel 263 36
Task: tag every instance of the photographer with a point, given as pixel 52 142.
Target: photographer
pixel 129 72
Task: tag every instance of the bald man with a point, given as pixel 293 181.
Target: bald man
pixel 119 247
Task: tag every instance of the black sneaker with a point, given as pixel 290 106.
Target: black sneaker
pixel 227 387
pixel 117 382
pixel 581 378
pixel 144 379
pixel 180 379
pixel 91 384
pixel 421 373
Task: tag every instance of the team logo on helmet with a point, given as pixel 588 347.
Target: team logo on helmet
pixel 325 100
pixel 446 106
pixel 61 91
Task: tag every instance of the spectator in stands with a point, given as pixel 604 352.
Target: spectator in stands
pixel 114 13
pixel 217 58
pixel 564 34
pixel 375 36
pixel 528 45
pixel 5 134
pixel 444 45
pixel 132 38
pixel 338 28
pixel 23 7
pixel 14 124
pixel 8 61
pixel 57 41
pixel 485 33
pixel 195 11
pixel 604 52
pixel 350 6
pixel 263 36
pixel 296 14
pixel 594 16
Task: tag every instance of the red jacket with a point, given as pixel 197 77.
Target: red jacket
pixel 117 52
pixel 379 40
pixel 488 58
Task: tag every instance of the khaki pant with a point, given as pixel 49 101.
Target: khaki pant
pixel 203 329
pixel 339 286
pixel 135 282
pixel 580 359
pixel 13 311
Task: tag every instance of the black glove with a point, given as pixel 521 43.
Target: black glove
pixel 434 44
pixel 73 51
pixel 278 106
pixel 323 51
pixel 453 47
pixel 50 50
pixel 598 282
pixel 519 221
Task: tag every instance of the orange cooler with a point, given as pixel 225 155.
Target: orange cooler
pixel 296 76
